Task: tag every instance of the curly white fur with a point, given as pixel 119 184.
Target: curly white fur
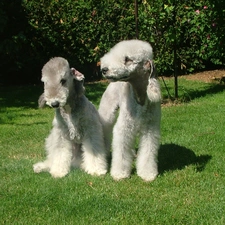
pixel 136 93
pixel 76 138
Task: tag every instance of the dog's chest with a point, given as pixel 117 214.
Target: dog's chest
pixel 138 114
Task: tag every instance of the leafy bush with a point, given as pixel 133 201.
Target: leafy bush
pixel 195 28
pixel 82 31
pixel 79 30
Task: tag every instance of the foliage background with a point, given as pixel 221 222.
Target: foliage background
pixel 32 31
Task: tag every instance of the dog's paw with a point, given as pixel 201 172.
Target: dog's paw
pixel 39 167
pixel 59 174
pixel 98 172
pixel 120 176
pixel 72 134
pixel 94 171
pixel 148 177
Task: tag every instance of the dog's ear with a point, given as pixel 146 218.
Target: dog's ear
pixel 78 82
pixel 77 75
pixel 149 65
pixel 41 101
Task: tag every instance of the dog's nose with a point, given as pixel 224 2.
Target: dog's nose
pixel 55 104
pixel 104 70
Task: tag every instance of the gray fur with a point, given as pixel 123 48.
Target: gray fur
pixel 76 138
pixel 136 92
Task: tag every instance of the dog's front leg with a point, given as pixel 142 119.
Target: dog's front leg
pixel 108 107
pixel 147 157
pixel 122 148
pixel 59 150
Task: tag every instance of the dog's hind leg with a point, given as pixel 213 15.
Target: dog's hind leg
pixel 45 165
pixel 41 167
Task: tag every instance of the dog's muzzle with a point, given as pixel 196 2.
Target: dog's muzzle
pixel 104 70
pixel 55 104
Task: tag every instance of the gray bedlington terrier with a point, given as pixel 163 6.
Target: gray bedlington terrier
pixel 76 138
pixel 134 90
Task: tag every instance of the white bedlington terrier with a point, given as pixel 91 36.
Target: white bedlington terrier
pixel 76 138
pixel 134 90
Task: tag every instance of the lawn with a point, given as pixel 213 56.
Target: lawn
pixel 190 188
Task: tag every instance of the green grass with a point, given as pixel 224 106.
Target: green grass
pixel 190 188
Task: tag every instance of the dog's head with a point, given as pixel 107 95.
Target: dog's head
pixel 127 59
pixel 59 81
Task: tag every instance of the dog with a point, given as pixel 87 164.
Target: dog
pixel 76 139
pixel 135 91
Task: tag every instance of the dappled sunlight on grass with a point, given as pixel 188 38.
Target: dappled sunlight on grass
pixel 189 90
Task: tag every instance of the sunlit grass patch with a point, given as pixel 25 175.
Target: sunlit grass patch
pixel 189 188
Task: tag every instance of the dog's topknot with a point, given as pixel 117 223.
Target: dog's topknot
pixel 137 49
pixel 54 66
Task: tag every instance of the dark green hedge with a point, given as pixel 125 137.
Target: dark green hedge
pixel 32 31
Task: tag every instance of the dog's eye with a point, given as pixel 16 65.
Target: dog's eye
pixel 63 81
pixel 128 60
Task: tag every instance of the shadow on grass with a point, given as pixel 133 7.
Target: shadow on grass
pixel 175 157
pixel 20 96
pixel 27 96
pixel 211 89
pixel 192 90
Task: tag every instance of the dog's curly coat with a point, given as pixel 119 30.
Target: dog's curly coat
pixel 76 138
pixel 136 93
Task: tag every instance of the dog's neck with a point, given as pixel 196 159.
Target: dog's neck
pixel 139 86
pixel 73 99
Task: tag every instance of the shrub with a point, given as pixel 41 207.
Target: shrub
pixel 82 31
pixel 194 28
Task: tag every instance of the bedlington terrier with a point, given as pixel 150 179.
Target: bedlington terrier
pixel 76 138
pixel 135 90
